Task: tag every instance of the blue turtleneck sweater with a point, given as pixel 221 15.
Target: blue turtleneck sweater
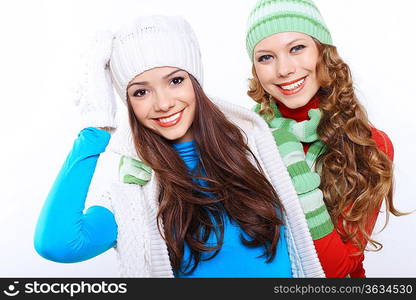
pixel 58 238
pixel 234 259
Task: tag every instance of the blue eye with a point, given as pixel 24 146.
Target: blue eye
pixel 297 48
pixel 177 80
pixel 264 58
pixel 139 93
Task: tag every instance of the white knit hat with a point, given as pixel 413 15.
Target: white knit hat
pixel 150 42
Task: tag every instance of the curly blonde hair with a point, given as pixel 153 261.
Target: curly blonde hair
pixel 356 176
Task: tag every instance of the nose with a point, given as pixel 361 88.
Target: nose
pixel 164 101
pixel 285 66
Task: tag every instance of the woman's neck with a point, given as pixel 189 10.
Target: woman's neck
pixel 187 151
pixel 298 114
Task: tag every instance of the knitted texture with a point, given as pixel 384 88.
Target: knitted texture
pixel 150 42
pixel 269 17
pixel 142 252
pixel 288 135
pixel 115 59
pixel 134 171
pixel 94 97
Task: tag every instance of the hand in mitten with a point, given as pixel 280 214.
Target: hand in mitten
pixel 95 98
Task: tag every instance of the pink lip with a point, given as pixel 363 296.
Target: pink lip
pixel 291 92
pixel 171 123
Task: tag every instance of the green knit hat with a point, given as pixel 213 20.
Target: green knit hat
pixel 273 16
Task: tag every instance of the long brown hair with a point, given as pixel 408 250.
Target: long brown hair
pixel 234 186
pixel 356 176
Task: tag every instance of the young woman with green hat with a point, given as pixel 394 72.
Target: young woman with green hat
pixel 340 164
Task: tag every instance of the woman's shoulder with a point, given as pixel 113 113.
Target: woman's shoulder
pixel 383 142
pixel 243 117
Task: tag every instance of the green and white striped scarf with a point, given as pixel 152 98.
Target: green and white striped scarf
pixel 134 171
pixel 289 135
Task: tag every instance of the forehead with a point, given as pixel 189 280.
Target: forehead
pixel 282 39
pixel 155 74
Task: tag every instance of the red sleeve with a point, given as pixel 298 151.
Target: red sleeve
pixel 337 257
pixel 383 142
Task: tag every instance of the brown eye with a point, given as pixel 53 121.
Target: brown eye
pixel 139 93
pixel 177 80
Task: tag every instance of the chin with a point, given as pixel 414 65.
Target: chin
pixel 176 138
pixel 171 138
pixel 293 104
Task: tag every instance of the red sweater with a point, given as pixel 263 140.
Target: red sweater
pixel 337 257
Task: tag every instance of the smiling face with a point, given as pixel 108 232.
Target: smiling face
pixel 163 100
pixel 285 64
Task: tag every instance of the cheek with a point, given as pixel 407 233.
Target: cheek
pixel 188 98
pixel 187 94
pixel 311 66
pixel 141 111
pixel 265 73
pixel 309 62
pixel 191 106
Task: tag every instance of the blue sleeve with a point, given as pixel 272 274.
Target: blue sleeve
pixel 63 232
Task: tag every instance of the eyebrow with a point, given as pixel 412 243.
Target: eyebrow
pixel 146 82
pixel 290 43
pixel 296 40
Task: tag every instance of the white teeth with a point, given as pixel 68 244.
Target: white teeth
pixel 293 85
pixel 170 119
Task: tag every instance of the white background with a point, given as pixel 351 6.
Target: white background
pixel 40 45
